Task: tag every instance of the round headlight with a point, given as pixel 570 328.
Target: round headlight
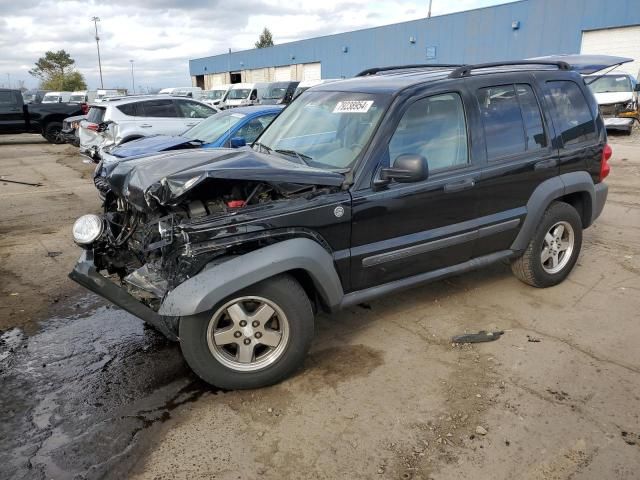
pixel 87 229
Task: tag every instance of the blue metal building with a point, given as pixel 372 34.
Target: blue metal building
pixel 516 30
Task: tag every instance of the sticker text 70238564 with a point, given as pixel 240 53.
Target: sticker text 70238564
pixel 353 106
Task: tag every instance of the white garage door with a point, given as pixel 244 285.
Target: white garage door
pixel 622 42
pixel 312 71
pixel 282 74
pixel 259 75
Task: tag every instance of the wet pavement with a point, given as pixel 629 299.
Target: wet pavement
pixel 80 397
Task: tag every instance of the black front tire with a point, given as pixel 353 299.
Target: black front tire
pixel 529 267
pixel 53 133
pixel 285 292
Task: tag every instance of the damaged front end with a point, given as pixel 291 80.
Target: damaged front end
pixel 163 224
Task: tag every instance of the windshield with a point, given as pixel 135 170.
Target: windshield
pixel 76 98
pixel 238 94
pixel 29 97
pixel 275 93
pixel 50 99
pixel 325 129
pixel 214 127
pixel 611 83
pixel 214 94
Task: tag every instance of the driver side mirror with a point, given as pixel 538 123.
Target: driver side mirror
pixel 237 142
pixel 637 87
pixel 407 168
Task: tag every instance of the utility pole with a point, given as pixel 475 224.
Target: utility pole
pixel 95 21
pixel 133 81
pixel 429 12
pixel 9 78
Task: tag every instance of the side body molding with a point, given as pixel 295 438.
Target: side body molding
pixel 206 289
pixel 547 192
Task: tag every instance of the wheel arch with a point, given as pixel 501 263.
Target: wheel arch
pixel 575 188
pixel 303 258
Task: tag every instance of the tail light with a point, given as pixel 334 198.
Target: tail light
pixel 85 108
pixel 92 126
pixel 605 168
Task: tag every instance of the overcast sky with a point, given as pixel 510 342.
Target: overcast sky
pixel 162 35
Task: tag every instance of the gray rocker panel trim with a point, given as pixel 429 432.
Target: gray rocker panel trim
pixel 206 289
pixel 547 192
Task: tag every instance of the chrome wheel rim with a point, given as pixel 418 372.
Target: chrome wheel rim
pixel 248 333
pixel 557 247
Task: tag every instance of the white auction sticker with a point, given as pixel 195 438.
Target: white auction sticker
pixel 353 106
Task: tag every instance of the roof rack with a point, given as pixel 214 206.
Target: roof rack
pixel 373 71
pixel 465 70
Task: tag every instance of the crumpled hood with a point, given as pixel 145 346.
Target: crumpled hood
pixel 164 178
pixel 145 145
pixel 607 98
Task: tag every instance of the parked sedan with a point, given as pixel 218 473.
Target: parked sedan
pixel 230 128
pixel 120 120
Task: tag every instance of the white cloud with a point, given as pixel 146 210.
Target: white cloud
pixel 162 35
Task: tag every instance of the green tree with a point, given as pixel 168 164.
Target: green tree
pixel 265 40
pixel 56 72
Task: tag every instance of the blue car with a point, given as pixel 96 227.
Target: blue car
pixel 231 128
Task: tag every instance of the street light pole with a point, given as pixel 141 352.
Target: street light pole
pixel 133 81
pixel 95 21
pixel 429 12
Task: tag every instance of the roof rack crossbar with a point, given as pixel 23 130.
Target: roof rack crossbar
pixel 373 71
pixel 465 70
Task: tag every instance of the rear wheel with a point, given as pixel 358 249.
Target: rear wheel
pixel 53 133
pixel 254 338
pixel 554 248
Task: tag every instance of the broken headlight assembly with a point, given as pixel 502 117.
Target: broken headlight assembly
pixel 87 229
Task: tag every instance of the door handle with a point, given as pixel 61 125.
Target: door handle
pixel 545 164
pixel 459 186
pixel 146 125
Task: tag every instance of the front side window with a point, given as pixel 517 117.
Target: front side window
pixel 434 128
pixel 159 108
pixel 325 129
pixel 211 129
pixel 572 113
pixel 194 110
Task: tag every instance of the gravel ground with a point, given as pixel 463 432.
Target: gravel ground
pixel 384 394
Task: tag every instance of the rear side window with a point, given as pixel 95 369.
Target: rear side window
pixel 96 114
pixel 158 108
pixel 130 109
pixel 512 120
pixel 194 109
pixel 572 114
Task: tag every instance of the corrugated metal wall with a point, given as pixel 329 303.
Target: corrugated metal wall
pixel 546 27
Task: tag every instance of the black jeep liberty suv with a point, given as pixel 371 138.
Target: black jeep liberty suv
pixel 361 187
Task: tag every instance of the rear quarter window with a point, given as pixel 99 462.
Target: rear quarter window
pixel 96 114
pixel 571 112
pixel 129 109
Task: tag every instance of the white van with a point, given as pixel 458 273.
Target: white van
pixel 617 97
pixel 56 97
pixel 101 94
pixel 243 94
pixel 216 96
pixel 83 96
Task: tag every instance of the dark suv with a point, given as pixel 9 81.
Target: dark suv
pixel 359 188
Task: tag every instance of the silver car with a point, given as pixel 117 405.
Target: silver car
pixel 122 119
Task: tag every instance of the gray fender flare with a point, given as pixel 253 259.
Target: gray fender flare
pixel 205 290
pixel 547 192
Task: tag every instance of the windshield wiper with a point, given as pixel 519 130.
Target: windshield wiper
pixel 262 145
pixel 301 156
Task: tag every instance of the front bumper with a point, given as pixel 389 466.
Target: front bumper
pixel 617 123
pixel 86 274
pixel 602 190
